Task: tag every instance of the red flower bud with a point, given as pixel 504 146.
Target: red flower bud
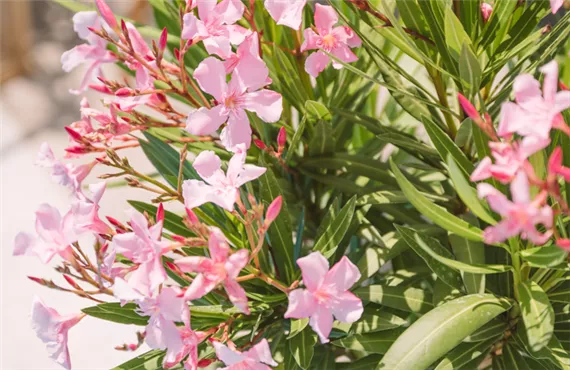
pixel 37 280
pixel 273 210
pixel 468 107
pixel 260 144
pixel 192 217
pixel 71 282
pixel 160 213
pixel 74 135
pixel 564 244
pixel 123 92
pixel 106 13
pixel 163 39
pixel 486 10
pixel 101 88
pixel 281 138
pixel 78 150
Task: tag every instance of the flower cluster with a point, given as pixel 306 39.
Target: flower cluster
pixel 164 274
pixel 524 129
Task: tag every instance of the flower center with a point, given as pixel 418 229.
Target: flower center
pixel 329 42
pixel 322 296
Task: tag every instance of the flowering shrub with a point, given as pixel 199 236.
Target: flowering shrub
pixel 405 208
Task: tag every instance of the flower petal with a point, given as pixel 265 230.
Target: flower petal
pixel 343 275
pixel 550 83
pixel 226 355
pixel 237 295
pixel 237 131
pixel 314 268
pixel 236 262
pixel 520 190
pixel 205 121
pixel 201 286
pixel 211 76
pixel 526 88
pixel 267 104
pixel 321 322
pixel 207 163
pixel 311 40
pixel 325 18
pixel 347 308
pixel 286 12
pixel 261 353
pixel 230 11
pixel 193 27
pixel 301 304
pixel 218 245
pixel 316 63
pixel 343 53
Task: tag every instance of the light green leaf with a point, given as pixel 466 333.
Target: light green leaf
pixel 433 212
pixel 455 35
pixel 316 111
pixel 302 346
pixel 322 141
pixel 373 320
pixel 401 298
pixel 440 330
pixel 374 257
pixel 537 314
pixel 490 330
pixel 469 70
pixel 550 256
pixel 336 228
pixel 470 252
pixel 446 274
pixel 297 326
pixel 467 194
pixel 464 353
pixel 115 313
pixel 377 342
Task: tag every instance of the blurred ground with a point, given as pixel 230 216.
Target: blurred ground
pixel 33 109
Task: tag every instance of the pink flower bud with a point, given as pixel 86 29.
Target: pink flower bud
pixel 282 138
pixel 273 210
pixel 260 144
pixel 178 238
pixel 74 135
pixel 101 88
pixel 37 280
pixel 71 282
pixel 192 217
pixel 468 107
pixel 106 13
pixel 176 54
pixel 124 92
pixel 564 244
pixel 160 213
pixel 78 150
pixel 486 10
pixel 163 39
pixel 205 362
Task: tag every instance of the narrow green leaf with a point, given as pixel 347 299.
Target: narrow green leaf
pixel 302 346
pixel 149 360
pixel 550 256
pixel 316 111
pixel 492 329
pixel 465 353
pixel 401 298
pixel 322 141
pixel 440 330
pixel 373 320
pixel 365 363
pixel 281 231
pixel 446 274
pixel 513 359
pixel 115 313
pixel 297 326
pixel 334 231
pixel 455 35
pixel 467 194
pixel 537 314
pixel 433 212
pixel 469 70
pixel 377 342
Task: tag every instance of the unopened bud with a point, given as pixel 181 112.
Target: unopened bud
pixel 281 139
pixel 468 107
pixel 205 362
pixel 101 88
pixel 74 135
pixel 486 10
pixel 78 150
pixel 260 144
pixel 71 282
pixel 124 92
pixel 163 39
pixel 106 13
pixel 38 280
pixel 192 217
pixel 273 210
pixel 160 213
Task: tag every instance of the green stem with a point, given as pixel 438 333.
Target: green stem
pixel 442 96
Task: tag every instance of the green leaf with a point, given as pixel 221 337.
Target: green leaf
pixel 375 257
pixel 490 330
pixel 315 111
pixel 281 231
pixel 377 342
pixel 472 253
pixel 469 71
pixel 365 363
pixel 445 145
pixel 401 298
pixel 513 359
pixel 467 194
pixel 373 320
pixel 537 314
pixel 462 266
pixel 172 222
pixel 440 330
pixel 293 146
pixel 147 361
pixel 550 256
pixel 465 353
pixel 297 326
pixel 393 197
pixel 433 212
pixel 446 274
pixel 323 140
pixel 302 346
pixel 115 313
pixel 455 35
pixel 335 229
pixel 562 296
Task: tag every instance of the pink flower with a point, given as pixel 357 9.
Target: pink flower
pixel 286 12
pixel 144 80
pixel 216 26
pixel 241 94
pixel 144 247
pixel 54 236
pixel 247 62
pixel 519 216
pixel 52 329
pixel 257 357
pixel 555 166
pixel 535 113
pixel 86 211
pixel 111 124
pixel 176 350
pixel 555 5
pixel 336 41
pixel 486 10
pixel 509 159
pixel 217 187
pixel 94 51
pixel 68 174
pixel 220 268
pixel 327 294
pixel 564 244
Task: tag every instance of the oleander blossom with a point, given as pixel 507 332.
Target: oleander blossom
pixel 286 12
pixel 243 93
pixel 257 357
pixel 221 268
pixel 326 295
pixel 520 216
pixel 217 187
pixel 215 27
pixel 145 248
pixel 535 113
pixel 93 52
pixel 337 41
pixel 52 328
